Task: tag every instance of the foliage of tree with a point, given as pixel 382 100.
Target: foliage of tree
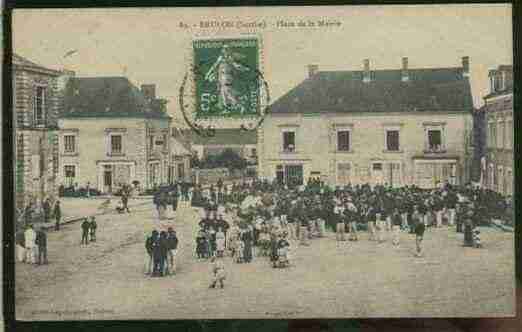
pixel 227 158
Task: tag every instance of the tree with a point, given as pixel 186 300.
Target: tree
pixel 227 158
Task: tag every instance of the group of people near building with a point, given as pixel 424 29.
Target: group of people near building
pixel 162 249
pixel 31 245
pixel 45 212
pixel 169 196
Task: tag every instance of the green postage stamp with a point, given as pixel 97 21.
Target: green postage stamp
pixel 226 77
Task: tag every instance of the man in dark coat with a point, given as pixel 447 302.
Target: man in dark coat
pixel 125 200
pixel 85 231
pixel 149 249
pixel 46 206
pixel 57 215
pixel 92 229
pixel 41 242
pixel 247 240
pixel 174 200
pixel 419 236
pixel 156 255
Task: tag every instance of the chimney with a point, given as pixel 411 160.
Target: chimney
pixel 149 91
pixel 312 70
pixel 366 74
pixel 465 66
pixel 405 76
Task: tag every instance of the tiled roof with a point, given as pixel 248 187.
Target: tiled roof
pixel 106 97
pixel 230 136
pixel 20 61
pixel 438 89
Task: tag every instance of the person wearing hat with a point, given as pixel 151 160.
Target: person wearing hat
pixel 57 215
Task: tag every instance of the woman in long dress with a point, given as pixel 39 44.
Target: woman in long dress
pixel 220 242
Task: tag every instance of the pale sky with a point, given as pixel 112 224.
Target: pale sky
pixel 148 46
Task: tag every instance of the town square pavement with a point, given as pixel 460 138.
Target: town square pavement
pixel 105 280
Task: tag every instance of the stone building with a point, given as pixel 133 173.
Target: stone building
pixel 497 164
pixel 181 154
pixel 110 135
pixel 400 126
pixel 35 106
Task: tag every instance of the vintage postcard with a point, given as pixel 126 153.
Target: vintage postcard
pixel 263 162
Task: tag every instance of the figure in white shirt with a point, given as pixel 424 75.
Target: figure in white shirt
pixel 30 245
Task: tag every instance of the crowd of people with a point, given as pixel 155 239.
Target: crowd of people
pixel 301 213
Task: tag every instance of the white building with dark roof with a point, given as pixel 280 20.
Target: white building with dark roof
pixel 110 135
pixel 399 127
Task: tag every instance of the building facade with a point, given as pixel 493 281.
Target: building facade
pixel 181 154
pixel 497 164
pixel 396 127
pixel 111 136
pixel 36 108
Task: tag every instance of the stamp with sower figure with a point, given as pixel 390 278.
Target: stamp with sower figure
pixel 226 81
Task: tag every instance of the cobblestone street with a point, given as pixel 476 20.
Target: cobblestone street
pixel 105 280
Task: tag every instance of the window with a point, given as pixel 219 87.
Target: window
pixel 509 181
pixel 500 177
pixel 392 140
pixel 500 135
pixel 254 153
pixel 377 166
pixel 343 140
pixel 165 145
pixel 69 174
pixel 434 140
pixel 509 134
pixel 492 181
pixel 493 134
pixel 39 106
pixel 116 144
pixel 289 141
pixel 69 143
pixel 151 142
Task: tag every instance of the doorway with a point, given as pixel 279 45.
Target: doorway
pixel 107 178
